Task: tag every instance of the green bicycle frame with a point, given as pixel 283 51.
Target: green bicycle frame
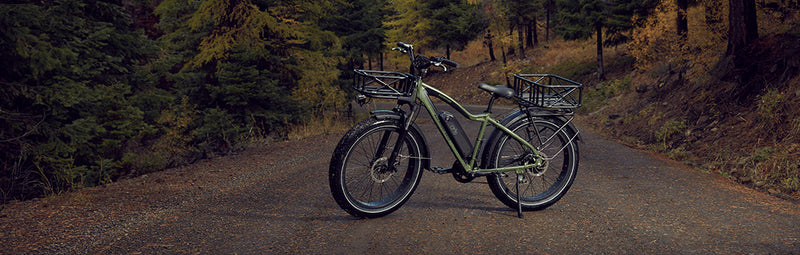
pixel 424 92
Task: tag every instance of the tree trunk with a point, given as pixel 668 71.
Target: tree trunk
pixel 503 51
pixel 488 42
pixel 447 51
pixel 529 35
pixel 547 26
pixel 491 53
pixel 535 32
pixel 681 21
pixel 521 39
pixel 743 28
pixel 742 31
pixel 511 48
pixel 600 72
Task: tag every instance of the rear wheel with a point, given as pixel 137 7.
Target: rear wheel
pixel 541 186
pixel 363 179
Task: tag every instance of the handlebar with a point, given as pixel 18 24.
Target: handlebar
pixel 404 45
pixel 420 62
pixel 445 61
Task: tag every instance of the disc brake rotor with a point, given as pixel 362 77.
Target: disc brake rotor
pixel 541 168
pixel 379 171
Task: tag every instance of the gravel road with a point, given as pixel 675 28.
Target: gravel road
pixel 274 199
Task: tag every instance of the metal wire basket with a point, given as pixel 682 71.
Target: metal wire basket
pixel 383 84
pixel 547 91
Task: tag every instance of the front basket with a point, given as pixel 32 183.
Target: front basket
pixel 547 91
pixel 383 84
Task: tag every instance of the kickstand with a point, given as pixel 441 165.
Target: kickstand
pixel 519 200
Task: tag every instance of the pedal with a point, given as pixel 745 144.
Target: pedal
pixel 441 170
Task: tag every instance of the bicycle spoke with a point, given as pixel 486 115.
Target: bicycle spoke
pixel 539 185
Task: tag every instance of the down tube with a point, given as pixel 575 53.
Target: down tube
pixel 426 102
pixel 425 99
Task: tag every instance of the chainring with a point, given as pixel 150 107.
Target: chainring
pixel 460 174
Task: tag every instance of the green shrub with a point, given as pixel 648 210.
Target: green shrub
pixel 596 96
pixel 770 109
pixel 666 133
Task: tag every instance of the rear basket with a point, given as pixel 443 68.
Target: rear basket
pixel 547 91
pixel 383 84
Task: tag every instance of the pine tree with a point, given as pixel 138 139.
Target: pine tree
pixel 436 24
pixel 360 26
pixel 522 15
pixel 455 23
pixel 260 63
pixel 410 22
pixel 65 115
pixel 583 18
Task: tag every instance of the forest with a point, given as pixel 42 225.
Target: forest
pixel 94 91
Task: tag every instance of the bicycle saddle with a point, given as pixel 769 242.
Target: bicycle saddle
pixel 497 90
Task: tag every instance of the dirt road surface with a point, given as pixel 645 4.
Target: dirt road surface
pixel 275 199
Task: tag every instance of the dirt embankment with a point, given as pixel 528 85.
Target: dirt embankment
pixel 741 121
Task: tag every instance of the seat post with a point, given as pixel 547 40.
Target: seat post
pixel 489 106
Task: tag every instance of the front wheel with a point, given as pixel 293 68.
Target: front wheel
pixel 364 180
pixel 542 186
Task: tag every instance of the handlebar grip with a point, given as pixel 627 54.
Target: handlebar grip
pixel 445 61
pixel 404 45
pixel 450 63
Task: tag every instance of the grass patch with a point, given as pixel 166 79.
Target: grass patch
pixel 595 97
pixel 775 167
pixel 323 124
pixel 572 70
pixel 770 109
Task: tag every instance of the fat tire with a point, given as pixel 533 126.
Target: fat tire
pixel 349 164
pixel 554 182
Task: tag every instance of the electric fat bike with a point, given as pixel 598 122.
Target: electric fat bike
pixel 530 159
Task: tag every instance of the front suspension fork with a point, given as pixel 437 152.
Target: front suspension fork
pixel 406 120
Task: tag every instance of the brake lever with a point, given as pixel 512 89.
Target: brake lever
pixel 439 64
pixel 400 49
pixel 437 61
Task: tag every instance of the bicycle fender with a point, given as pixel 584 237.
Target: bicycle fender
pixel 413 130
pixel 386 115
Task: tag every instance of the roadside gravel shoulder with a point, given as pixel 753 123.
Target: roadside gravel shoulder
pixel 70 222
